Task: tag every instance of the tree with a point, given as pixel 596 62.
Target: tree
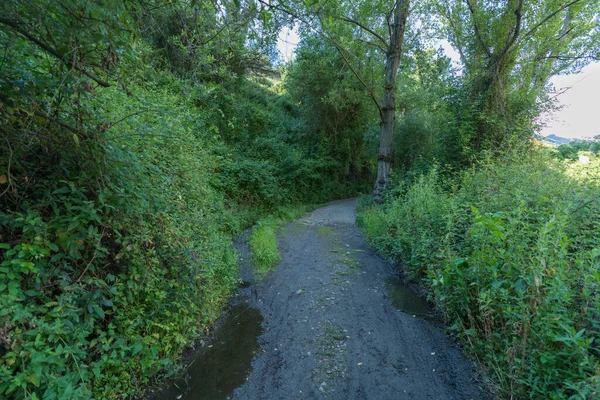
pixel 334 108
pixel 208 40
pixel 510 49
pixel 379 25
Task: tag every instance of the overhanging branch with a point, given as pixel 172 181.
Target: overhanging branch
pixel 550 16
pixel 16 26
pixel 365 28
pixel 477 29
pixel 330 39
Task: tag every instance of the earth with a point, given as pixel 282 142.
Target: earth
pixel 332 321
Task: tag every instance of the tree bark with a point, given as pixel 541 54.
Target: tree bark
pixel 388 105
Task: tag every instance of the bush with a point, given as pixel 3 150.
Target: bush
pixel 116 241
pixel 136 231
pixel 512 257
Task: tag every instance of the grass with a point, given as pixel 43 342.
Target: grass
pixel 263 239
pixel 263 245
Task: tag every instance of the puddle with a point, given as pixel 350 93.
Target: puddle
pixel 404 299
pixel 218 370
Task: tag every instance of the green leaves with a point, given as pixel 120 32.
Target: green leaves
pixel 512 265
pixel 117 222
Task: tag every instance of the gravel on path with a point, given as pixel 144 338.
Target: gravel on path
pixel 330 330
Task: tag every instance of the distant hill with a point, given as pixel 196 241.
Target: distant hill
pixel 556 140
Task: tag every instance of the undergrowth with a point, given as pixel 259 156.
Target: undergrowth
pixel 116 239
pixel 263 244
pixel 511 253
pixel 263 239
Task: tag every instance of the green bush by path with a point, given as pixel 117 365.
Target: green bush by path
pixel 116 231
pixel 512 256
pixel 263 239
pixel 263 244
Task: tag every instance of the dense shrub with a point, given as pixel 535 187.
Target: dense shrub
pixel 511 254
pixel 115 258
pixel 117 221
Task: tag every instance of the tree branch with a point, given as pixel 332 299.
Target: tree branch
pixel 15 25
pixel 365 28
pixel 61 123
pixel 453 30
pixel 477 30
pixel 565 58
pixel 369 89
pixel 548 17
pixel 517 31
pixel 335 44
pixel 376 45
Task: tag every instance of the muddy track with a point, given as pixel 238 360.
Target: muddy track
pixel 330 330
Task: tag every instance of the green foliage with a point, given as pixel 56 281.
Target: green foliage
pixel 209 42
pixel 334 108
pixel 83 263
pixel 509 51
pixel 571 151
pixel 425 83
pixel 263 244
pixel 119 203
pixel 511 256
pixel 138 137
pixel 263 239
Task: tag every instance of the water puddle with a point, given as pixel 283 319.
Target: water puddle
pixel 224 364
pixel 404 299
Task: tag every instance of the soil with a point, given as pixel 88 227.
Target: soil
pixel 332 328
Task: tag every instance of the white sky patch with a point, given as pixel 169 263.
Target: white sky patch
pixel 579 117
pixel 450 52
pixel 287 41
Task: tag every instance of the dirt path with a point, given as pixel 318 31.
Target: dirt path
pixel 331 331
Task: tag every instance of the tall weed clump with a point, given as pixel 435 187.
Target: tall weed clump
pixel 512 256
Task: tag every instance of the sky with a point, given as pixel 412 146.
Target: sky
pixel 581 103
pixel 286 43
pixel 579 96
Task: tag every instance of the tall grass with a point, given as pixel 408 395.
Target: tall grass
pixel 263 239
pixel 512 256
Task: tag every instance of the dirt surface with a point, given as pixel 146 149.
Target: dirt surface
pixel 330 330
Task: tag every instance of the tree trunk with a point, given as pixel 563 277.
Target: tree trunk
pixel 388 105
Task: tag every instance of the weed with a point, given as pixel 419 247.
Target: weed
pixel 511 255
pixel 263 244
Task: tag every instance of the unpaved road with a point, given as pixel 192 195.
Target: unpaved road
pixel 330 330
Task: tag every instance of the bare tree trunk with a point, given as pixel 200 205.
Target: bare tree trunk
pixel 388 105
